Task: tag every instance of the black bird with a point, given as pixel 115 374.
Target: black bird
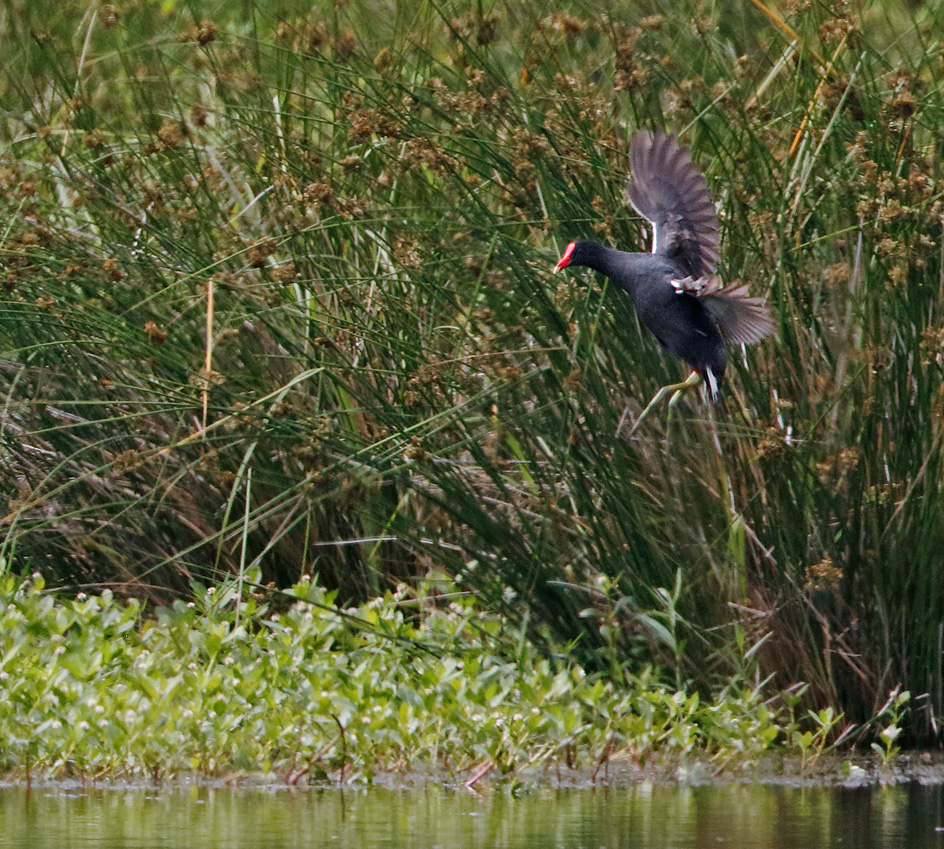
pixel 675 290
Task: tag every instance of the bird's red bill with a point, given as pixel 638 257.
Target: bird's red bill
pixel 564 261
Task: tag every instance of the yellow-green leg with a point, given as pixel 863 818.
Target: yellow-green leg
pixel 677 390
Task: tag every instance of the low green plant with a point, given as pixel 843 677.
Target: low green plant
pixel 813 742
pixel 224 686
pixel 889 722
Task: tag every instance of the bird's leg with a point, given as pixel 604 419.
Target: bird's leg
pixel 678 389
pixel 694 379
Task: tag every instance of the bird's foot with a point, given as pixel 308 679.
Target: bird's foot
pixel 677 390
pixel 690 382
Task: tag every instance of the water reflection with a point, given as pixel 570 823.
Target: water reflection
pixel 641 817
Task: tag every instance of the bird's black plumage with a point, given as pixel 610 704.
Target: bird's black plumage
pixel 674 288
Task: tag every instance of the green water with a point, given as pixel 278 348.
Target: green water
pixel 641 817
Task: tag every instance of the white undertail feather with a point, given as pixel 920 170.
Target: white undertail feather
pixel 713 388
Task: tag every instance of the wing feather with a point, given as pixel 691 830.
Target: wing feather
pixel 742 319
pixel 672 194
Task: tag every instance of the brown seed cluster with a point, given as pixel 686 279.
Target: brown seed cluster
pixel 838 466
pixel 127 461
pixel 306 39
pixel 204 379
pixel 843 24
pixel 171 134
pixel 258 254
pixel 285 272
pixel 425 151
pixel 836 275
pixel 772 443
pixel 824 576
pixel 528 144
pixel 564 24
pixel 345 45
pixel 202 33
pixel 464 106
pixel 156 333
pixel 407 253
pixel 885 493
pixel 629 75
pixel 197 116
pixel 320 199
pixel 482 29
pixel 112 270
pixel 109 16
pixel 932 344
pixel 500 369
pixel 364 123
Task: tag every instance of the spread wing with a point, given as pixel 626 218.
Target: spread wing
pixel 741 318
pixel 667 189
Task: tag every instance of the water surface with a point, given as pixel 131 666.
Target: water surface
pixel 642 817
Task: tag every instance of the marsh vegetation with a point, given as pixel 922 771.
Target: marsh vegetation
pixel 276 303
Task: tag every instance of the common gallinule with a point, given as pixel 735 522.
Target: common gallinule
pixel 675 290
